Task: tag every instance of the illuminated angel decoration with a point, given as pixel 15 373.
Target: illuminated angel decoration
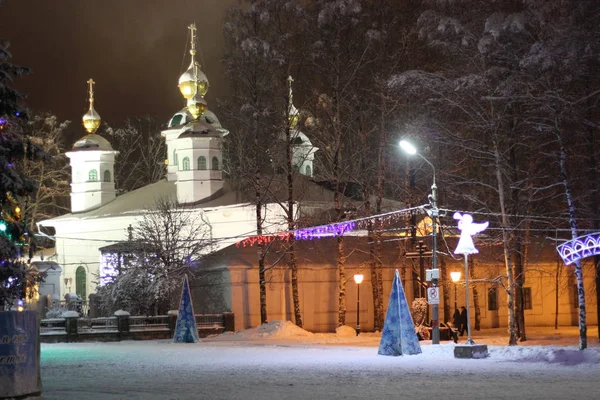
pixel 467 229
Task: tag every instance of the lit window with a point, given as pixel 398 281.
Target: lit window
pixel 93 176
pixel 175 162
pixel 185 164
pixel 201 163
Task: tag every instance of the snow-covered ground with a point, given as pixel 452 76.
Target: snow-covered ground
pixel 281 361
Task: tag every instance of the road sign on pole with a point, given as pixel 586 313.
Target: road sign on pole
pixel 433 295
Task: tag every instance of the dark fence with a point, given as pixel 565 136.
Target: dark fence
pixel 126 327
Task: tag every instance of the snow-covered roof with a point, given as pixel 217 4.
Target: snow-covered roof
pixel 143 199
pixel 92 142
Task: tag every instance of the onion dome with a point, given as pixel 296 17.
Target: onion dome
pixel 196 105
pixel 91 119
pixel 193 84
pixel 193 81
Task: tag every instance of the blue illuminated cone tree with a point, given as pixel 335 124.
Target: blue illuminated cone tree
pixel 399 336
pixel 186 330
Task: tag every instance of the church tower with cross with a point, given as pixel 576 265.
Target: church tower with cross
pixel 92 161
pixel 194 138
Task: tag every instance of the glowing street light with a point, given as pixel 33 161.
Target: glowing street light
pixel 455 276
pixel 358 278
pixel 433 213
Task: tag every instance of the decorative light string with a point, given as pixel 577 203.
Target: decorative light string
pixel 330 230
pixel 580 247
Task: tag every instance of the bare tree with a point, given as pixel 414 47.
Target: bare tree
pixel 141 158
pixel 51 175
pixel 168 242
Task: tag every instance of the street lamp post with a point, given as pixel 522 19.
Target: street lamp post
pixel 433 213
pixel 455 276
pixel 358 278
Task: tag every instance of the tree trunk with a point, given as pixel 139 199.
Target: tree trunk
pixel 381 168
pixel 379 314
pixel 477 326
pixel 512 335
pixel 447 289
pixel 295 295
pixel 260 248
pixel 290 214
pixel 375 277
pixel 573 225
pixel 556 290
pixel 519 280
pixel 341 267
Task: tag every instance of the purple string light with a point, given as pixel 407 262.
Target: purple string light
pixel 324 231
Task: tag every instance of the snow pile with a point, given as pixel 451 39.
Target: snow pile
pixel 345 331
pixel 271 330
pixel 550 354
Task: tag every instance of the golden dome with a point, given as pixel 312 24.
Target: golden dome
pixel 91 119
pixel 193 81
pixel 196 106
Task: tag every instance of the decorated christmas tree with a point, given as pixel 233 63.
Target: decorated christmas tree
pixel 15 276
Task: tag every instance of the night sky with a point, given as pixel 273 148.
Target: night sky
pixel 133 49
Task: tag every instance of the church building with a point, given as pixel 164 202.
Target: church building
pixel 194 178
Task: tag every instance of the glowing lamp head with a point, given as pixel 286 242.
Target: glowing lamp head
pixel 407 147
pixel 455 276
pixel 358 278
pixel 2 226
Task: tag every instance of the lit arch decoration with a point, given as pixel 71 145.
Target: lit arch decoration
pixel 579 248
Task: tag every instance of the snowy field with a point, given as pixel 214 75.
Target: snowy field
pixel 281 361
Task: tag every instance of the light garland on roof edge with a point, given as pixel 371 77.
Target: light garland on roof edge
pixel 330 230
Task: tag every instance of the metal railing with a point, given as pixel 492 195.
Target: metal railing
pixel 52 326
pixel 86 325
pixel 209 320
pixel 82 307
pixel 139 323
pixel 142 323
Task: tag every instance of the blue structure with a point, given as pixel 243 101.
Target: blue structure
pixel 399 336
pixel 580 248
pixel 186 330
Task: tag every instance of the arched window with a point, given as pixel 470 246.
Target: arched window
pixel 201 163
pixel 176 120
pixel 107 176
pixel 93 176
pixel 81 282
pixel 308 171
pixel 185 164
pixel 175 159
pixel 215 164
